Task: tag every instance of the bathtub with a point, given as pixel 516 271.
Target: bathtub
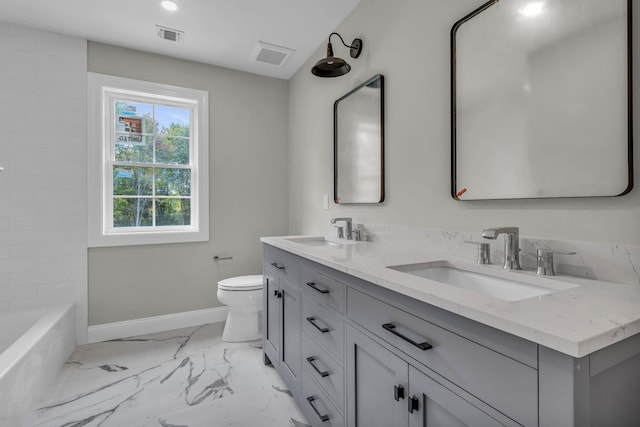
pixel 34 345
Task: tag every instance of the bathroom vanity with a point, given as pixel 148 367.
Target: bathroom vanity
pixel 360 344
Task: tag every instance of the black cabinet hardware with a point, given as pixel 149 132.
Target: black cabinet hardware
pixel 413 404
pixel 277 294
pixel 421 345
pixel 312 359
pixel 278 266
pixel 398 392
pixel 314 286
pixel 323 418
pixel 312 320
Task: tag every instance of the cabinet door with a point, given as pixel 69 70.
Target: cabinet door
pixel 377 384
pixel 271 318
pixel 435 405
pixel 290 343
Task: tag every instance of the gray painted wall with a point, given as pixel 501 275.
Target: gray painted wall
pixel 408 42
pixel 248 185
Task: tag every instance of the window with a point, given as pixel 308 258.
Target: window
pixel 148 157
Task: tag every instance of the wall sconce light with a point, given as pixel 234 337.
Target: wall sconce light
pixel 332 66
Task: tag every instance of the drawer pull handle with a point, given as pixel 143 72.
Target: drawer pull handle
pixel 312 320
pixel 312 359
pixel 323 418
pixel 413 404
pixel 278 266
pixel 421 345
pixel 398 392
pixel 314 286
pixel 277 294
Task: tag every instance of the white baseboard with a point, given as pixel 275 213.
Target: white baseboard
pixel 148 325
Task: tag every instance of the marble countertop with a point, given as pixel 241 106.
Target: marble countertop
pixel 576 321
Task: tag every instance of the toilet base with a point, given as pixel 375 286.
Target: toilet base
pixel 242 325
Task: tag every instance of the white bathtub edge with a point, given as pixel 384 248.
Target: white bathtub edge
pixel 29 366
pixel 148 325
pixel 16 353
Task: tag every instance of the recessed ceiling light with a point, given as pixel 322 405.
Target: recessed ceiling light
pixel 169 5
pixel 533 9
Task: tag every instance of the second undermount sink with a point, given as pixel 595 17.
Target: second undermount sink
pixel 507 286
pixel 313 241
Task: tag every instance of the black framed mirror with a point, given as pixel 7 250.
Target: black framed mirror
pixel 541 100
pixel 358 144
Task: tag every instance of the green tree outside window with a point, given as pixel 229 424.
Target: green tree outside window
pixel 158 194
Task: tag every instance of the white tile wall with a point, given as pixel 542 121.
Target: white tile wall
pixel 43 240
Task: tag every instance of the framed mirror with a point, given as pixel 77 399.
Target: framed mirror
pixel 358 144
pixel 541 100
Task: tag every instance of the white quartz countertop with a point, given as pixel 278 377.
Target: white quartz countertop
pixel 575 321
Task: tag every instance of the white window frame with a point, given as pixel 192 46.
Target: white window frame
pixel 102 91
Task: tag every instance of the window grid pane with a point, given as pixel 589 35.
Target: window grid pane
pixel 132 212
pixel 165 198
pixel 173 211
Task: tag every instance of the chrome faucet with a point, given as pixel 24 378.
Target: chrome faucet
pixel 511 245
pixel 348 230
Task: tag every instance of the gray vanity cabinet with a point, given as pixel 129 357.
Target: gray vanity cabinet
pixel 359 355
pixel 290 349
pixel 384 390
pixel 377 383
pixel 323 335
pixel 271 316
pixel 500 381
pixel 435 405
pixel 282 305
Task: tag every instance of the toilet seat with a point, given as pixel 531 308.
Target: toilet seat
pixel 241 283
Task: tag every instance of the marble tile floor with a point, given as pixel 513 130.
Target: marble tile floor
pixel 182 378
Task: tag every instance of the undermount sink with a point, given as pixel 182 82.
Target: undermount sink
pixel 313 241
pixel 504 288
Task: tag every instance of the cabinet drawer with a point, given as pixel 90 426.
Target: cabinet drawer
pixel 507 385
pixel 323 289
pixel 317 407
pixel 324 327
pixel 278 262
pixel 324 369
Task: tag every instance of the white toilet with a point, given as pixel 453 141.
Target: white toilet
pixel 243 296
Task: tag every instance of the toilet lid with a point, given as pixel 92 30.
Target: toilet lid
pixel 241 283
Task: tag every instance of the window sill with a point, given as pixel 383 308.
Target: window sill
pixel 147 238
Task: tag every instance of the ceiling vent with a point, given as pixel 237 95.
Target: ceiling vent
pixel 169 34
pixel 272 54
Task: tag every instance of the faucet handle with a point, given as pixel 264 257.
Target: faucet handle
pixel 484 251
pixel 545 261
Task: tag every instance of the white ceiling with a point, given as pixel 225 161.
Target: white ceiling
pixel 219 32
